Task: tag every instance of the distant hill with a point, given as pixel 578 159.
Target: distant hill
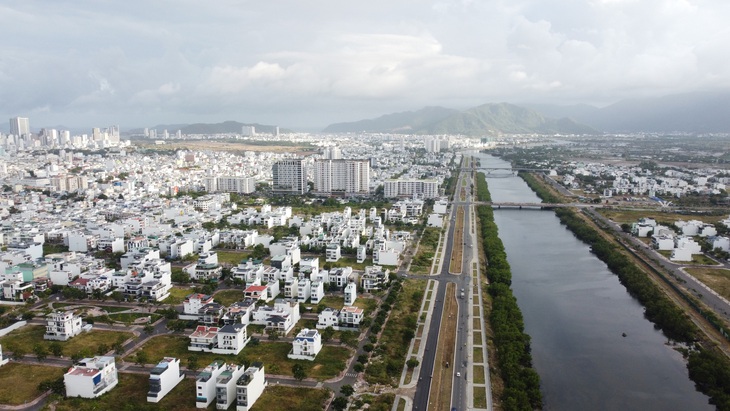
pixel 214 128
pixel 483 120
pixel 689 112
pixel 405 122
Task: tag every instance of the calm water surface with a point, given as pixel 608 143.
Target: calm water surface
pixel 576 311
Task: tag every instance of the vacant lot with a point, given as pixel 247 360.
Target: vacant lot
pixel 716 278
pixel 629 216
pixel 457 252
pixel 329 362
pixel 178 294
pixel 19 382
pixel 228 297
pixel 131 394
pixel 282 398
pixel 87 343
pixel 422 262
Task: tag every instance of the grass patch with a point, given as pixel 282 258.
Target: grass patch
pixel 131 394
pixel 477 338
pixel 228 297
pixel 480 397
pixel 717 279
pixel 348 262
pixel 478 355
pixel 401 404
pixel 389 356
pixel 129 318
pixel 177 295
pixel 457 252
pixel 329 362
pixel 423 260
pixel 86 343
pixel 19 382
pixel 629 216
pixel 231 257
pixel 479 374
pixel 277 397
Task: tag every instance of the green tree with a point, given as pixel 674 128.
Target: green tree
pixel 347 390
pixel 327 334
pixel 40 351
pixel 56 349
pixel 141 358
pixel 412 363
pixel 339 403
pixel 298 372
pixel 193 363
pixel 273 334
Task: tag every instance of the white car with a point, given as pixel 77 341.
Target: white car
pixel 458 374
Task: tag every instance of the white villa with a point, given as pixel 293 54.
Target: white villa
pixel 92 378
pixel 62 325
pixel 163 378
pixel 306 345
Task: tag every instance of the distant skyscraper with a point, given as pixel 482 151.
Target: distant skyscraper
pixel 332 153
pixel 290 177
pixel 248 131
pixel 20 126
pixel 276 131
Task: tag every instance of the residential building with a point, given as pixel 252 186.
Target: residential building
pixel 194 302
pixel 289 177
pixel 350 294
pixel 227 340
pixel 20 126
pixel 250 386
pixel 225 386
pixel 411 188
pixel 374 278
pixel 205 384
pixel 333 253
pixel 3 360
pixel 342 176
pixel 163 378
pixel 62 325
pixel 91 378
pixel 306 345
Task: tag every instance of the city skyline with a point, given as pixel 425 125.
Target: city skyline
pixel 312 65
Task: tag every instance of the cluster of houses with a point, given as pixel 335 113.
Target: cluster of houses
pixel 680 239
pixel 226 384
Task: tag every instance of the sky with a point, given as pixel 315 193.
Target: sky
pixel 307 64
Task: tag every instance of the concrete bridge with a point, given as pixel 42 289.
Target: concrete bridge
pixel 540 206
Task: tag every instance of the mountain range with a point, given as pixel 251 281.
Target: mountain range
pixel 689 112
pixel 487 119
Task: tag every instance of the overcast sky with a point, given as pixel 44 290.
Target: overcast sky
pixel 311 63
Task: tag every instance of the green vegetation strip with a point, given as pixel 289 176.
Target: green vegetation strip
pixel 389 355
pixel 521 382
pixel 423 260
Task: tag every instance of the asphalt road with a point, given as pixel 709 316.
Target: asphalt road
pixel 459 390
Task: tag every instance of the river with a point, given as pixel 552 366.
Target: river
pixel 577 313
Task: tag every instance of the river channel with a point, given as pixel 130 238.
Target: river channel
pixel 577 314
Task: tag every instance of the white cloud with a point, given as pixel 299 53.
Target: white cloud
pixel 173 61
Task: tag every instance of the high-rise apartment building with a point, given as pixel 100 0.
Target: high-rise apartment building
pixel 20 126
pixel 411 188
pixel 342 176
pixel 290 177
pixel 332 153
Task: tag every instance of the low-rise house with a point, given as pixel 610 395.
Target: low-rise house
pixel 205 272
pixel 250 386
pixel 374 278
pixel 348 318
pixel 304 290
pixel 163 378
pixel 230 339
pixel 306 345
pixel 62 325
pixel 225 386
pixel 350 294
pixel 91 378
pixel 317 292
pixel 333 253
pixel 282 316
pixel 205 384
pixel 194 302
